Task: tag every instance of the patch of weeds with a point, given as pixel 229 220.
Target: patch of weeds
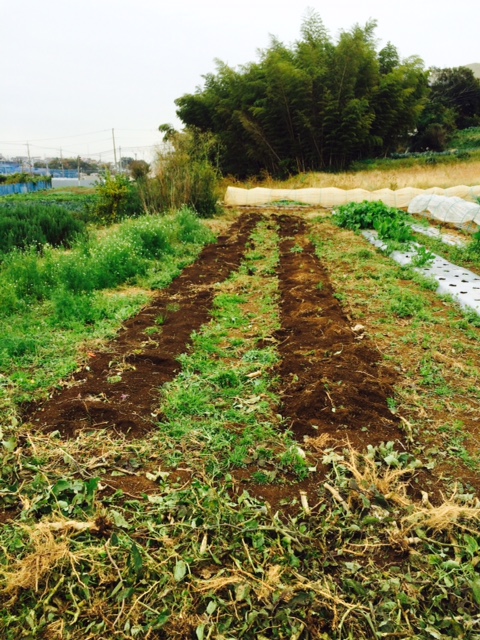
pixel 431 373
pixel 294 460
pixel 456 448
pixel 454 444
pixel 262 477
pixel 364 254
pixel 161 319
pixel 296 249
pixel 114 379
pixel 424 282
pixel 423 258
pixel 407 305
pixel 392 404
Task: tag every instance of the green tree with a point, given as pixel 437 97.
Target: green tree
pixel 457 89
pixel 139 169
pixel 314 105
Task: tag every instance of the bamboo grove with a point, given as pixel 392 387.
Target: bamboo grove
pixel 312 106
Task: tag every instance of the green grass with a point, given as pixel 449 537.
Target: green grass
pixel 467 139
pixel 221 402
pixel 50 304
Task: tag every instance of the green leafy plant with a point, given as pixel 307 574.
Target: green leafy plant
pixel 391 224
pixel 422 258
pixel 118 197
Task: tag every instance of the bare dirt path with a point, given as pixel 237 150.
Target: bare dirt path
pixel 118 389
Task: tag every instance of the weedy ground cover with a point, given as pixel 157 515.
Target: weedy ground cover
pixel 467 256
pixel 432 343
pixel 168 537
pixel 50 303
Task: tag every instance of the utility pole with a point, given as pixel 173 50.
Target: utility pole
pixel 29 159
pixel 114 149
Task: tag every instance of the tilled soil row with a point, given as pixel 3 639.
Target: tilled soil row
pixel 333 381
pixel 118 389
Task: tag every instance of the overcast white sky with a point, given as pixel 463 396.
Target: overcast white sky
pixel 72 71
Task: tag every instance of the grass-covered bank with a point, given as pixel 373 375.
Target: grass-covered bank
pixel 383 174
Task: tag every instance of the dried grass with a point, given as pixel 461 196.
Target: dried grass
pixel 442 518
pixel 386 481
pixel 420 177
pixel 51 546
pixel 319 443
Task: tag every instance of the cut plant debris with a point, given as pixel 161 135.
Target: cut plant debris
pixel 277 438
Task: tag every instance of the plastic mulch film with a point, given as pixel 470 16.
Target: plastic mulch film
pixel 333 197
pixel 451 210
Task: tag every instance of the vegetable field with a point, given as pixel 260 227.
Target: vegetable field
pixel 281 441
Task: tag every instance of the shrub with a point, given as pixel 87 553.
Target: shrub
pixel 185 176
pixel 118 198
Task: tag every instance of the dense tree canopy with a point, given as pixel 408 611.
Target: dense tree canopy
pixel 454 103
pixel 316 105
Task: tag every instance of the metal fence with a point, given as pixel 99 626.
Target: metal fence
pixel 8 168
pixel 63 173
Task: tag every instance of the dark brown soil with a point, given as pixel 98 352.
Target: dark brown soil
pixel 333 378
pixel 333 382
pixel 119 387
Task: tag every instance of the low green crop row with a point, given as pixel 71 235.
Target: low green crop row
pixel 26 225
pixel 390 223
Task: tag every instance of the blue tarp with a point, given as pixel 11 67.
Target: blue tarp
pixel 24 187
pixel 7 168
